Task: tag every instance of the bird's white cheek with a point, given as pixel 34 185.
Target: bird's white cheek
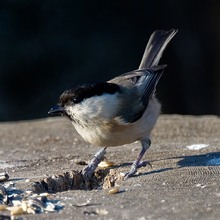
pixel 104 106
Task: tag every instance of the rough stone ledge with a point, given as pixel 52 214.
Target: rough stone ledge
pixel 184 183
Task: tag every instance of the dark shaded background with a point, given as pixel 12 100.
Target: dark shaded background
pixel 48 45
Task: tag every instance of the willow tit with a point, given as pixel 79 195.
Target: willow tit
pixel 120 111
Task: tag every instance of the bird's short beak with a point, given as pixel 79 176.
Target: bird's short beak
pixel 56 110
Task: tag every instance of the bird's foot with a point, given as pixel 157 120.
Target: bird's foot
pixel 144 164
pixel 135 166
pixel 88 171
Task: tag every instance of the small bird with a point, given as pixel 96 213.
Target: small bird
pixel 120 111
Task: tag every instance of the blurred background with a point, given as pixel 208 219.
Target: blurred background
pixel 46 46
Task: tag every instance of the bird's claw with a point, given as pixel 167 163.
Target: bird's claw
pixel 144 164
pixel 89 170
pixel 134 168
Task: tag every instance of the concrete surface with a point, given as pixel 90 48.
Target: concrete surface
pixel 182 184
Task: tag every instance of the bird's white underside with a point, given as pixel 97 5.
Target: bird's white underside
pixel 97 127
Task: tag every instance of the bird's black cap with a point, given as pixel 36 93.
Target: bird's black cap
pixel 79 93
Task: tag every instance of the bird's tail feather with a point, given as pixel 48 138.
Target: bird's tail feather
pixel 155 47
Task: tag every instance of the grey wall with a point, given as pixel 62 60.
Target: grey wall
pixel 48 45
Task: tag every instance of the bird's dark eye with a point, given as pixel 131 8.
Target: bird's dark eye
pixel 77 100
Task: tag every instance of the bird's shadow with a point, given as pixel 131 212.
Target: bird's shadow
pixel 145 173
pixel 208 159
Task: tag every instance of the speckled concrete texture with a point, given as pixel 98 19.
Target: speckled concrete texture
pixel 183 183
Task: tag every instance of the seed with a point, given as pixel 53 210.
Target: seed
pixel 29 192
pixel 44 194
pixel 30 211
pixel 2 207
pixel 101 211
pixel 36 205
pixel 24 205
pixel 17 211
pixel 4 176
pixel 3 195
pixel 50 207
pixel 16 202
pixel 105 164
pixel 113 190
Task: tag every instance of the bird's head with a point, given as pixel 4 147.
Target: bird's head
pixel 82 98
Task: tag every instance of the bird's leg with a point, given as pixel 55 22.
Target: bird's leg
pixel 90 168
pixel 145 143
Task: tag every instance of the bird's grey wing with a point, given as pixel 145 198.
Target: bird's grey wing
pixel 138 87
pixel 146 84
pixel 128 79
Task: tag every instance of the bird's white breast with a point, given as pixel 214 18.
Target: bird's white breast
pixel 98 127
